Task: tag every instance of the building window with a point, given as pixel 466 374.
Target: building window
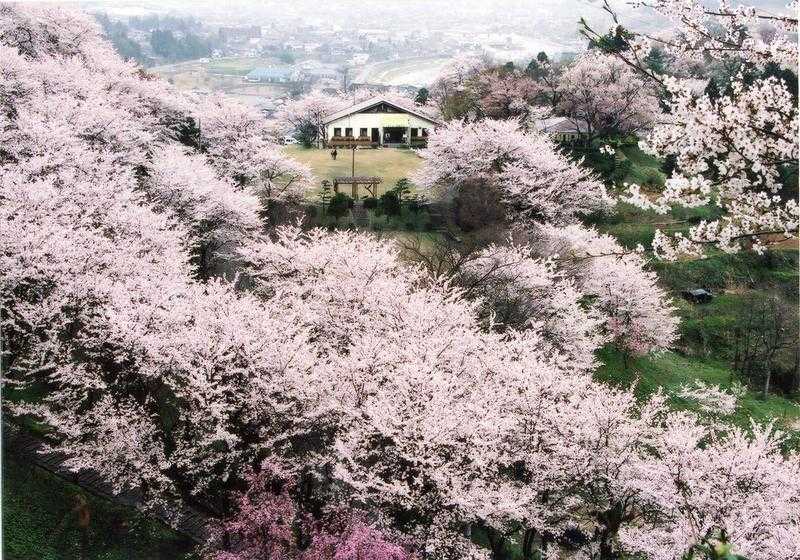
pixel 348 132
pixel 414 132
pixel 363 132
pixel 424 132
pixel 337 131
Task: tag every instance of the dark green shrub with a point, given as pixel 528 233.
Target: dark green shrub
pixel 652 178
pixel 620 171
pixel 339 205
pixel 390 203
pixel 370 203
pixel 416 203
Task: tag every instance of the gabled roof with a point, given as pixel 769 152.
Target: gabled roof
pixel 372 102
pixel 561 124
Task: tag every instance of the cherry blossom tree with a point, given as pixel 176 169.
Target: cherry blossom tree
pixel 237 141
pixel 704 485
pixel 507 94
pixel 217 217
pixel 639 315
pixel 268 524
pixel 537 181
pixel 601 95
pixel 730 150
pixel 306 114
pixel 517 290
pixel 352 538
pixel 547 76
pixel 363 379
pixel 452 90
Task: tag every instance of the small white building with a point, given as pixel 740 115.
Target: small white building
pixel 563 129
pixel 378 122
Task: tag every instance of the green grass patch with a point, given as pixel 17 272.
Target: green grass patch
pixel 777 270
pixel 634 153
pixel 389 163
pixel 642 169
pixel 39 522
pixel 671 371
pixel 237 66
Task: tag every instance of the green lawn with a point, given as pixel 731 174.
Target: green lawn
pixel 39 522
pixel 390 163
pixel 645 169
pixel 670 371
pixel 237 66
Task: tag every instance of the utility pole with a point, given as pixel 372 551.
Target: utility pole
pixel 345 71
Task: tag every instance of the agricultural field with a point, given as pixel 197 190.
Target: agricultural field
pixel 222 75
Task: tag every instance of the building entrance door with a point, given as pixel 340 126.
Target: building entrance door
pixel 394 134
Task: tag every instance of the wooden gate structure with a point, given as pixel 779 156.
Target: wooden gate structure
pixel 370 183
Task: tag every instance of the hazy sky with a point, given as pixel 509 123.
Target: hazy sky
pixel 552 20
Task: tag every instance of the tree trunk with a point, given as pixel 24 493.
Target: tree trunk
pixel 767 378
pixel 531 550
pixel 496 544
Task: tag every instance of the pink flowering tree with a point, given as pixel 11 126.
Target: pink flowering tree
pixel 507 94
pixel 347 537
pixel 537 182
pixel 705 485
pixel 218 218
pixel 639 317
pixel 306 114
pixel 517 290
pixel 602 96
pixel 365 380
pixel 237 141
pixel 269 525
pixel 730 151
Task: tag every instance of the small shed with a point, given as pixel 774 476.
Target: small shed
pixel 697 295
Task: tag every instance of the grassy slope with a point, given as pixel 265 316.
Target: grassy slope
pixel 39 524
pixel 391 164
pixel 644 167
pixel 704 328
pixel 671 370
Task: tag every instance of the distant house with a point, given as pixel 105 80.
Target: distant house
pixel 563 129
pixel 272 74
pixel 378 122
pixel 359 58
pixel 313 70
pixel 239 33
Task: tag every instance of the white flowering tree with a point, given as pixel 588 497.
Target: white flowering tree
pixel 602 95
pixel 366 380
pixel 536 181
pixel 730 150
